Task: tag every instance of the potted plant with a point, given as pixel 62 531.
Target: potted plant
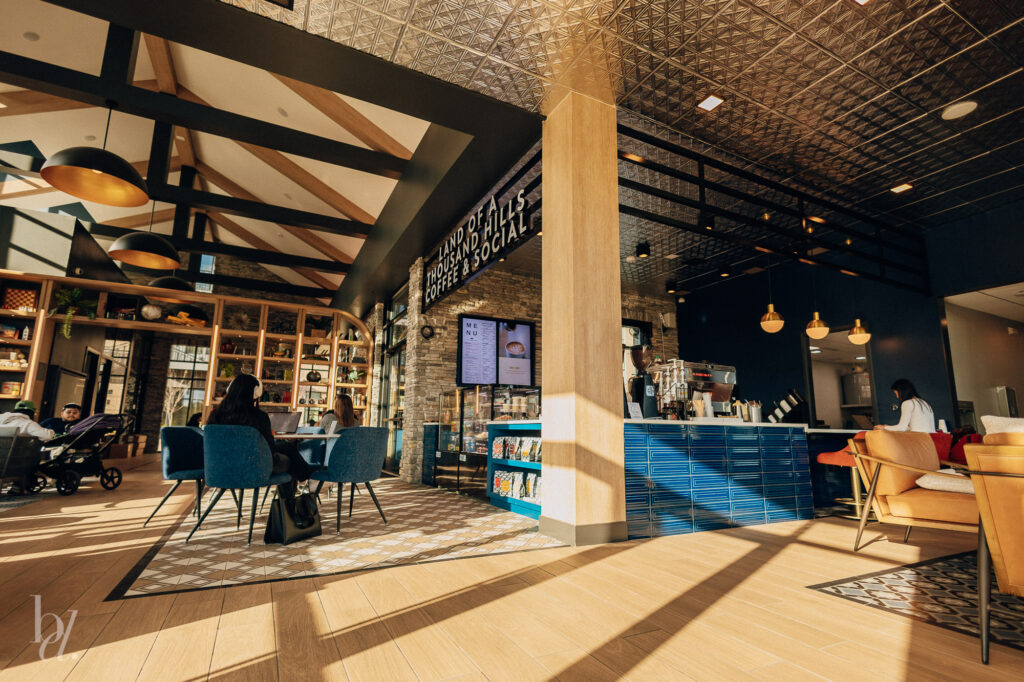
pixel 68 302
pixel 227 370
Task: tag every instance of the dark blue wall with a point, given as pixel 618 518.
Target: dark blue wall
pixel 983 251
pixel 721 324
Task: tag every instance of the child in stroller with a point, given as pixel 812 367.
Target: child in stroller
pixel 66 459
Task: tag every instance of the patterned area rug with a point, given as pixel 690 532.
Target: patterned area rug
pixel 424 524
pixel 941 591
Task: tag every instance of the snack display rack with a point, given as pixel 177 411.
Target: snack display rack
pixel 514 466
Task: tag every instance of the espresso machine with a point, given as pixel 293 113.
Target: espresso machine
pixel 700 378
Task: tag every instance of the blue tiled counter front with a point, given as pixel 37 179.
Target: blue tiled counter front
pixel 685 478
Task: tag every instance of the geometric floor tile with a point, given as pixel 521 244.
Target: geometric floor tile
pixel 424 524
pixel 941 591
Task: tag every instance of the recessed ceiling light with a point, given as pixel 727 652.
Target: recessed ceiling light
pixel 958 110
pixel 849 241
pixel 671 256
pixel 813 347
pixel 899 189
pixel 281 111
pixel 30 36
pixel 862 357
pixel 816 219
pixel 815 351
pixel 710 102
pixel 90 138
pixel 287 196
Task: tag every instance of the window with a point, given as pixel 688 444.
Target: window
pixel 206 266
pixel 186 383
pixel 118 347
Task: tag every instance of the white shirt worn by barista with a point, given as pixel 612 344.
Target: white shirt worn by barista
pixel 915 415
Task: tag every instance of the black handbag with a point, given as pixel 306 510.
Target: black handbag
pixel 292 520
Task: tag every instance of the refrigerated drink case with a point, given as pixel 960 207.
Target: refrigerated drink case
pixel 461 463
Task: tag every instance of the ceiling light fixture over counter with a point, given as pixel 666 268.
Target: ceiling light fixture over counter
pixel 899 189
pixel 643 250
pixel 710 102
pixel 958 110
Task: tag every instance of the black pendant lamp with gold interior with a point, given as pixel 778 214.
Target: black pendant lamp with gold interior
pixel 146 249
pixel 96 175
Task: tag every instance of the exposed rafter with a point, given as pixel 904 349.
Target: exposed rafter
pixel 167 82
pixel 236 190
pixel 142 219
pixel 31 102
pixel 347 116
pixel 259 243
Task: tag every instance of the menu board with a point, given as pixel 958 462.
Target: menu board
pixel 478 351
pixel 493 351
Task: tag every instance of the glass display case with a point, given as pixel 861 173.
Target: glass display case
pixel 461 458
pixel 515 403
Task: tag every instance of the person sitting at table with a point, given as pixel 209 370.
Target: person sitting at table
pixel 343 415
pixel 915 413
pixel 240 408
pixel 70 415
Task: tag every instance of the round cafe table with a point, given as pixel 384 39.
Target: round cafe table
pixel 304 436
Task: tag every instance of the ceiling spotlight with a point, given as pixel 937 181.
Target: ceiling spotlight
pixel 681 299
pixel 813 347
pixel 849 241
pixel 643 250
pixel 899 189
pixel 30 36
pixel 670 287
pixel 859 335
pixel 817 328
pixel 766 216
pixel 724 272
pixel 958 110
pixel 816 219
pixel 501 260
pixel 862 357
pixel 707 221
pixel 815 352
pixel 633 157
pixel 710 102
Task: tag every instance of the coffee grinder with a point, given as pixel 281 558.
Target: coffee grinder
pixel 642 388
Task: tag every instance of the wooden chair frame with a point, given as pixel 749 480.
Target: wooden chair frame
pixel 871 504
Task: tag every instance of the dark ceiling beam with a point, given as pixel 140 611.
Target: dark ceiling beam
pixel 244 283
pixel 743 241
pixel 83 87
pixel 792 236
pixel 265 257
pixel 655 141
pixel 253 209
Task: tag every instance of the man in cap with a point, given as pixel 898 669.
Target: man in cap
pixel 70 415
pixel 23 418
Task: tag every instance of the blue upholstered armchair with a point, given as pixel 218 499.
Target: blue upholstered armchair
pixel 237 457
pixel 181 458
pixel 356 456
pixel 314 450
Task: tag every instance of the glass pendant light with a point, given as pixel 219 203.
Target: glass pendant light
pixel 145 249
pixel 859 335
pixel 771 321
pixel 96 175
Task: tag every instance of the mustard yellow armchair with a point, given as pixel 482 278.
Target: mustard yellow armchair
pixel 997 470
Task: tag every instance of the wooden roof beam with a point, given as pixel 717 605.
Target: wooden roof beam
pixel 259 243
pixel 141 219
pixel 347 116
pixel 310 238
pixel 167 82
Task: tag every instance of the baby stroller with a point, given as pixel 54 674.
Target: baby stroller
pixel 66 459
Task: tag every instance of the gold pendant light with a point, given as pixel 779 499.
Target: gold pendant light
pixel 771 321
pixel 859 335
pixel 817 328
pixel 146 249
pixel 96 175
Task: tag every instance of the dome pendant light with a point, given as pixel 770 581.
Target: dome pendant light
pixel 170 282
pixel 817 328
pixel 145 249
pixel 96 175
pixel 859 335
pixel 771 321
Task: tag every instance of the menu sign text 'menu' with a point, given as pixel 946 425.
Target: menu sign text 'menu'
pixel 493 230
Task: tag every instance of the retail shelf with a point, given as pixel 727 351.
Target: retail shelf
pixel 341 385
pixel 20 370
pixel 273 359
pixel 516 463
pixel 518 506
pixel 142 325
pixel 351 342
pixel 239 334
pixel 276 404
pixel 314 383
pixel 277 381
pixel 353 364
pixel 282 337
pixel 14 342
pixel 18 314
pixel 10 396
pixel 235 356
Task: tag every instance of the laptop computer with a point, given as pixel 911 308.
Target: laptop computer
pixel 284 422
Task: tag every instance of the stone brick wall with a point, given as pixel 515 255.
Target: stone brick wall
pixel 495 293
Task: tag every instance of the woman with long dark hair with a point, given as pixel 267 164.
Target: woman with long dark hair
pixel 239 408
pixel 344 415
pixel 915 413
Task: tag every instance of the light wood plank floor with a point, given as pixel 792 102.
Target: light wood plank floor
pixel 712 606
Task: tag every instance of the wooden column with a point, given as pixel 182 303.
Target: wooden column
pixel 584 484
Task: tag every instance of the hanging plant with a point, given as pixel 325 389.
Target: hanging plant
pixel 69 303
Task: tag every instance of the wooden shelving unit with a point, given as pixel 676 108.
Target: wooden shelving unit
pixel 270 325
